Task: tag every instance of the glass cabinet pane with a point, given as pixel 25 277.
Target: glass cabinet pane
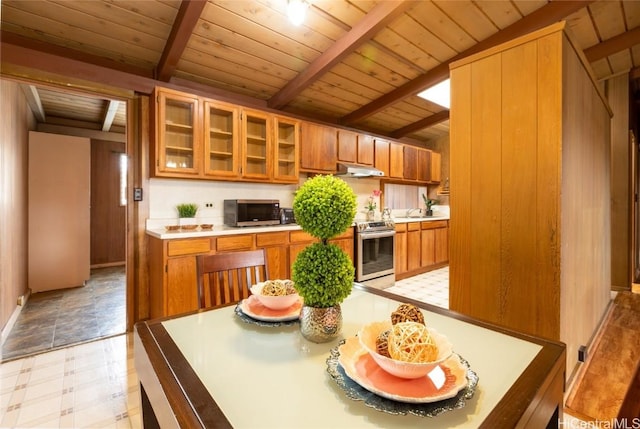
pixel 255 150
pixel 220 140
pixel 286 144
pixel 179 143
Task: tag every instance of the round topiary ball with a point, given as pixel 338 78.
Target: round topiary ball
pixel 323 275
pixel 324 206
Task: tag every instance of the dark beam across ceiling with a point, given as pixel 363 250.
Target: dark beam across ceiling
pixel 421 124
pixel 546 15
pixel 363 31
pixel 613 45
pixel 186 20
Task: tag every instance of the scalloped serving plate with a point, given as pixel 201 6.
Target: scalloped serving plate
pixel 254 309
pixel 444 382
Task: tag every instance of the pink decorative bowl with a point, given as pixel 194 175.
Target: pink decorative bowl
pixel 368 335
pixel 273 302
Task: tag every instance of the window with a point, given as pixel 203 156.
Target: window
pixel 123 179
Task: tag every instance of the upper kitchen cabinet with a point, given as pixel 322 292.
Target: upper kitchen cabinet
pixel 424 165
pixel 355 148
pixel 318 148
pixel 435 173
pixel 176 132
pixel 381 155
pixel 396 160
pixel 256 144
pixel 410 163
pixel 287 138
pixel 221 140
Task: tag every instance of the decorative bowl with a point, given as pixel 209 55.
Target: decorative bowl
pixel 172 227
pixel 206 226
pixel 368 335
pixel 274 302
pixel 188 227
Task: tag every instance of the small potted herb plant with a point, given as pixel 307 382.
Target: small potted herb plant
pixel 187 214
pixel 323 273
pixel 428 203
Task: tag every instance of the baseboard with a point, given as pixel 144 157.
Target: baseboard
pixel 108 265
pixel 577 372
pixel 6 330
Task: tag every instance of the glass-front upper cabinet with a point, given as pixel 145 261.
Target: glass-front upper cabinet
pixel 221 137
pixel 287 132
pixel 256 142
pixel 177 125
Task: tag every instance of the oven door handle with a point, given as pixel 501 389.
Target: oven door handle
pixel 380 234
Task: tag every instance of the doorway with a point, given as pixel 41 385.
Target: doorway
pixel 59 318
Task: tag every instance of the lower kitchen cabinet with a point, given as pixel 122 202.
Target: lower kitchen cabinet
pixel 172 263
pixel 421 247
pixel 172 275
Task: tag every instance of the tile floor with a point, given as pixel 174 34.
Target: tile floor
pixel 94 385
pixel 59 318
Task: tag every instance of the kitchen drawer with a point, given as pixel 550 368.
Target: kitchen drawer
pixel 235 242
pixel 188 247
pixel 413 226
pixel 301 237
pixel 435 224
pixel 272 239
pixel 401 227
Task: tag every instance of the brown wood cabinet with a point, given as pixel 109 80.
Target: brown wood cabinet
pixel 381 155
pixel 172 265
pixel 319 149
pixel 421 247
pixel 355 148
pixel 176 132
pixel 435 167
pixel 424 165
pixel 396 160
pixel 410 163
pixel 197 137
pixel 172 274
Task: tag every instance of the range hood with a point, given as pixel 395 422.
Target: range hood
pixel 354 170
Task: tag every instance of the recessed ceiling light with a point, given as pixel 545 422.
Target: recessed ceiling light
pixel 296 10
pixel 438 94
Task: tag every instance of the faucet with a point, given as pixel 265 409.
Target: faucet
pixel 411 210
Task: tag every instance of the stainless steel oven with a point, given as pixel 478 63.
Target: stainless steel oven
pixel 375 253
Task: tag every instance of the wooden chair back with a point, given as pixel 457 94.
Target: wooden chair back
pixel 225 278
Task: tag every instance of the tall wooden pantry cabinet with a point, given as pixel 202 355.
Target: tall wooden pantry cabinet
pixel 529 230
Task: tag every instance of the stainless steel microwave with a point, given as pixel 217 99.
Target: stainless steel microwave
pixel 251 212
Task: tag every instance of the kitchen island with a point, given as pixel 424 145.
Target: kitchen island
pixel 213 369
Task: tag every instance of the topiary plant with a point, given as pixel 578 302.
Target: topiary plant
pixel 323 273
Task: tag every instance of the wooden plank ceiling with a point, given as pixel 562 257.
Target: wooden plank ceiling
pixel 355 63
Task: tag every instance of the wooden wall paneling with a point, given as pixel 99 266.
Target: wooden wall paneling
pixel 548 180
pixel 621 231
pixel 15 123
pixel 518 236
pixel 460 187
pixel 108 216
pixel 485 201
pixel 585 228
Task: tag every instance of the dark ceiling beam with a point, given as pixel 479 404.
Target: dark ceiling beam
pixel 186 20
pixel 615 44
pixel 421 124
pixel 378 18
pixel 550 13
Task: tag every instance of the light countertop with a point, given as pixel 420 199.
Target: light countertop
pixel 220 230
